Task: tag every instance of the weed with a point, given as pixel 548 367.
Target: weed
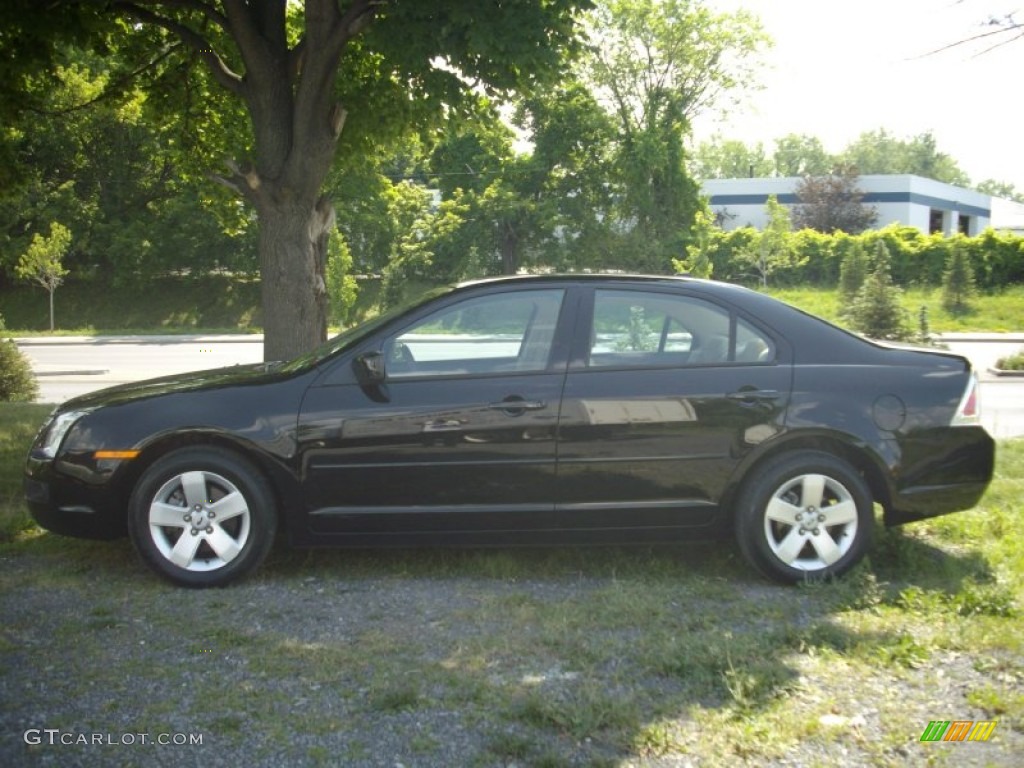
pixel 904 652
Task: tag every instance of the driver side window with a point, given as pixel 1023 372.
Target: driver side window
pixel 487 334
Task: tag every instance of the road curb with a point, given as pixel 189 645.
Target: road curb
pixel 57 341
pixel 74 372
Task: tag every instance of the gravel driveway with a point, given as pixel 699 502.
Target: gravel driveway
pixel 669 657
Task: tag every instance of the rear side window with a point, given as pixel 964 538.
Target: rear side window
pixel 636 328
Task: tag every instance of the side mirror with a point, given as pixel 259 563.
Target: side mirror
pixel 369 369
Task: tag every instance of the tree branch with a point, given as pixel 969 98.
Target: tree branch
pixel 1005 26
pixel 221 72
pixel 205 9
pixel 110 90
pixel 244 182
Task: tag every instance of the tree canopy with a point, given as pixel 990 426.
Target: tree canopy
pixel 270 86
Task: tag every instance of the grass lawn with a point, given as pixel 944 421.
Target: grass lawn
pixel 216 303
pixel 18 425
pixel 549 658
pixel 998 313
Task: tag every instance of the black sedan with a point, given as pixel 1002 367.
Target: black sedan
pixel 525 411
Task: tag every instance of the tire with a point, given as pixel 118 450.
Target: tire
pixel 202 517
pixel 804 516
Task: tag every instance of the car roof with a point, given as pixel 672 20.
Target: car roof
pixel 747 298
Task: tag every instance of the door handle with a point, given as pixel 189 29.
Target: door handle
pixel 754 395
pixel 516 406
pixel 442 425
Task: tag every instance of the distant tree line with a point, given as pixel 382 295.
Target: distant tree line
pixel 873 152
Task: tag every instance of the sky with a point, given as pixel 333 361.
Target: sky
pixel 841 68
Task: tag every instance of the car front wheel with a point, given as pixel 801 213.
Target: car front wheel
pixel 202 517
pixel 804 516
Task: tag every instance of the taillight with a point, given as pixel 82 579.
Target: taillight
pixel 968 414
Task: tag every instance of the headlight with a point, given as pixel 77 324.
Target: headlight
pixel 58 428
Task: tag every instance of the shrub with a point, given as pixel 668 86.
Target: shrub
pixel 853 271
pixel 877 311
pixel 17 382
pixel 957 281
pixel 1014 362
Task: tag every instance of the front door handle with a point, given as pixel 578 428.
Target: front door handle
pixel 443 425
pixel 754 395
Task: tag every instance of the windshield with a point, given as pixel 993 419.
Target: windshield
pixel 356 332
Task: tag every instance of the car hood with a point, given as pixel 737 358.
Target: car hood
pixel 214 378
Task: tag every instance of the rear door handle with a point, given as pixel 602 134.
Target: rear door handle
pixel 516 406
pixel 754 395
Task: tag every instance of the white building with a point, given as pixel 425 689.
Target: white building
pixel 914 201
pixel 1008 216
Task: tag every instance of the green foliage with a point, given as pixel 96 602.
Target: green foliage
pixel 342 290
pixel 17 381
pixel 423 233
pixel 1013 362
pixel 18 425
pixel 877 311
pixel 880 152
pixel 698 261
pixel 873 152
pixel 729 159
pixel 771 250
pixel 42 262
pixel 797 155
pixel 995 258
pixel 690 57
pixel 122 172
pixel 957 281
pixel 853 271
pixel 640 337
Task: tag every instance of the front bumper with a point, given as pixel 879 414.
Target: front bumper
pixel 70 507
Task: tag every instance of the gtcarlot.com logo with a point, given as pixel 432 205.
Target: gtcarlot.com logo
pixel 54 737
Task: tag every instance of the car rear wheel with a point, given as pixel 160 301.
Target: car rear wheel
pixel 804 516
pixel 202 517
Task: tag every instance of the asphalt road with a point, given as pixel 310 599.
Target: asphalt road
pixel 69 366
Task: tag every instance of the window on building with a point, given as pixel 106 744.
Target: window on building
pixel 934 221
pixel 965 225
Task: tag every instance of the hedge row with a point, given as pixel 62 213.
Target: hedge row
pixel 917 259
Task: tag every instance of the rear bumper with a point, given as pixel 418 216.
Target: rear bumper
pixel 946 481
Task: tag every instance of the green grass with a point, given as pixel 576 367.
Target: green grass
pixel 19 423
pixel 557 657
pixel 996 312
pixel 162 305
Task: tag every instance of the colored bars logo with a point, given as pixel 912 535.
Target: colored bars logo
pixel 958 730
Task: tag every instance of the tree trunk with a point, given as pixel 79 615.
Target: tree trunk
pixel 509 250
pixel 292 248
pixel 51 309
